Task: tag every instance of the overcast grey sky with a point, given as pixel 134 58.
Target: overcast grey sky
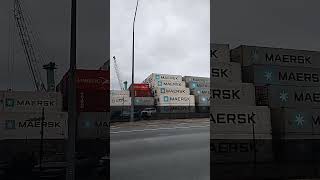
pixel 286 23
pixel 51 19
pixel 172 37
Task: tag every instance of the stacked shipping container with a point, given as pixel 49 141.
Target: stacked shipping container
pixel 170 92
pixel 287 81
pixel 240 131
pixel 92 98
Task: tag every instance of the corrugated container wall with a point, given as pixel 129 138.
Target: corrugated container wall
pixel 167 77
pixel 27 101
pixel 249 55
pixel 120 101
pixel 175 100
pixel 291 123
pixel 202 100
pixel 188 79
pixel 288 96
pixel 144 101
pixel 225 72
pixel 233 94
pixel 195 85
pixel 27 125
pixel 93 125
pixel 170 91
pixel 200 91
pixel 280 75
pixel 239 122
pixel 219 52
pixel 167 83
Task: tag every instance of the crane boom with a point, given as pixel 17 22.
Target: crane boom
pixel 118 73
pixel 26 40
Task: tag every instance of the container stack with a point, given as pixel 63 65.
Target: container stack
pixel 288 82
pixel 21 113
pixel 92 97
pixel 143 95
pixel 240 131
pixel 170 93
pixel 200 88
pixel 21 120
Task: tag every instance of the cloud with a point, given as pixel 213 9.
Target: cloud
pixel 170 37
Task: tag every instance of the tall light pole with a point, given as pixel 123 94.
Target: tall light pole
pixel 132 78
pixel 72 111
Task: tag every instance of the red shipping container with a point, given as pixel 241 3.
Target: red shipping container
pixel 93 79
pixel 140 86
pixel 142 93
pixel 88 79
pixel 93 101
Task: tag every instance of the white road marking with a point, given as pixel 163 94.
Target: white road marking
pixel 155 129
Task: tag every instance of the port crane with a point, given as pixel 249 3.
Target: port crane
pixel 28 42
pixel 116 68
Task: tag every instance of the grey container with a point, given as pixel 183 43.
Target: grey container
pixel 240 122
pixel 219 52
pixel 276 96
pixel 241 150
pixel 296 123
pixel 144 101
pixel 200 91
pixel 195 85
pixel 280 75
pixel 225 72
pixel 233 94
pixel 203 100
pixel 249 55
pixel 196 79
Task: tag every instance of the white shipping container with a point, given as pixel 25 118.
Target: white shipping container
pixel 120 101
pixel 233 94
pixel 295 121
pixel 196 79
pixel 179 100
pixel 176 109
pixel 281 75
pixel 155 77
pixel 276 96
pixel 93 125
pixel 27 125
pixel 219 52
pixel 144 101
pixel 157 91
pixel 225 72
pixel 120 93
pixel 200 91
pixel 27 101
pixel 195 85
pixel 240 120
pixel 249 55
pixel 167 83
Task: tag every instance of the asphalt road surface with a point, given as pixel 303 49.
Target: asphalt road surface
pixel 164 149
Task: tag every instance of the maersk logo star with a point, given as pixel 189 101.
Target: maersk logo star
pixel 157 76
pixel 203 99
pixel 198 92
pixel 284 96
pixel 159 83
pixel 10 124
pixel 268 75
pixel 163 90
pixel 166 98
pixel 299 120
pixel 254 55
pixel 194 85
